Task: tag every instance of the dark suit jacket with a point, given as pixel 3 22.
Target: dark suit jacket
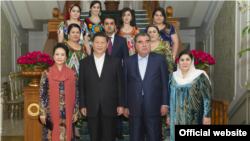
pixel 107 90
pixel 154 84
pixel 119 48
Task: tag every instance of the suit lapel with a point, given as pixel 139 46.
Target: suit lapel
pixel 135 65
pixel 105 65
pixel 149 65
pixel 92 64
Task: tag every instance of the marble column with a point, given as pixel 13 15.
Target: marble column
pixel 1 111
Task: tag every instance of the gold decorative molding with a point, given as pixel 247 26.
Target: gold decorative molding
pixel 246 7
pixel 29 109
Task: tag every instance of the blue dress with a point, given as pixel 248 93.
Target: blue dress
pixel 189 103
pixel 166 33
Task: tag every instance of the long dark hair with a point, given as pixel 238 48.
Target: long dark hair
pixel 162 12
pixel 124 10
pixel 93 3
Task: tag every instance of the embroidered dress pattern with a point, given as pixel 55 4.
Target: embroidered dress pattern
pixel 63 29
pixel 44 106
pixel 130 39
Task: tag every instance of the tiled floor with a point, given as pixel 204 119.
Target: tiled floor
pixel 13 127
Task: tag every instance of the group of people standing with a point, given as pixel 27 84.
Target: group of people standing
pixel 103 72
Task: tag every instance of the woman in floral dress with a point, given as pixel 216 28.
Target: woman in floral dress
pixel 59 86
pixel 73 16
pixel 127 29
pixel 94 22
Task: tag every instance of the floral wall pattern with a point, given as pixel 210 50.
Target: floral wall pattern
pixel 224 52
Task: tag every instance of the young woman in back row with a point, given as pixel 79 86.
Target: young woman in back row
pixel 73 16
pixel 127 29
pixel 94 22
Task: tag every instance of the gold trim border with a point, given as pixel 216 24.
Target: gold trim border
pixel 29 109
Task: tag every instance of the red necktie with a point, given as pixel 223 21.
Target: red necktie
pixel 110 46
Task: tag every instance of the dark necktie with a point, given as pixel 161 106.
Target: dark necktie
pixel 110 46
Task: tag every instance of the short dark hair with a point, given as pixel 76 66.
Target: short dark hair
pixel 63 46
pixel 101 34
pixel 162 12
pixel 141 34
pixel 73 25
pixel 76 6
pixel 152 25
pixel 185 52
pixel 108 17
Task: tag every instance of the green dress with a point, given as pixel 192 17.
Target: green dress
pixel 73 62
pixel 189 103
pixel 164 49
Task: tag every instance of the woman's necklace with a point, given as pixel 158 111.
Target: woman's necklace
pixel 127 29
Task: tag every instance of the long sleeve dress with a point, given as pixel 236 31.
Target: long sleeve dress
pixel 164 49
pixel 44 108
pixel 189 103
pixel 73 62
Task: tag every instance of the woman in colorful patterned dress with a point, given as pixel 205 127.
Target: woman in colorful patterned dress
pixel 167 31
pixel 94 22
pixel 163 48
pixel 59 86
pixel 76 53
pixel 190 95
pixel 73 16
pixel 127 29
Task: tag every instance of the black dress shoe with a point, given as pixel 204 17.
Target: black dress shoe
pixel 119 136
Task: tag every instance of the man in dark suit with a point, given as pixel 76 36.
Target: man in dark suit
pixel 101 90
pixel 117 47
pixel 146 91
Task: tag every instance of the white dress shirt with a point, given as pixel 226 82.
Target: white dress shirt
pixel 99 63
pixel 142 62
pixel 112 38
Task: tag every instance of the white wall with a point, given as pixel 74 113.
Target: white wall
pixel 188 36
pixel 37 39
pixel 242 65
pixel 18 35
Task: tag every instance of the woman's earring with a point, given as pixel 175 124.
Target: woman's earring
pixel 99 14
pixel 159 38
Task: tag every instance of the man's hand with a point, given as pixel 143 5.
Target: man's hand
pixel 74 119
pixel 43 119
pixel 168 120
pixel 120 110
pixel 84 111
pixel 126 112
pixel 164 110
pixel 206 121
